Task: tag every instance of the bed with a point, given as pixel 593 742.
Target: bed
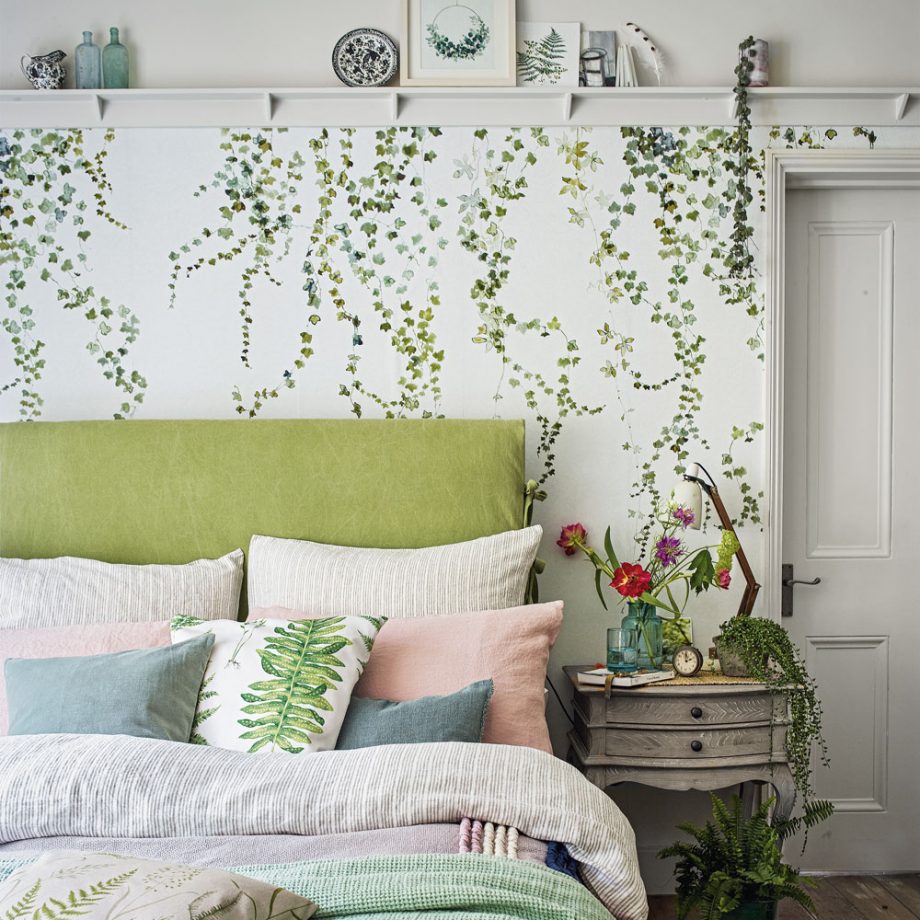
pixel 396 830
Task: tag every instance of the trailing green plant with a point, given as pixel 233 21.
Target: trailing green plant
pixel 733 860
pixel 771 657
pixel 740 263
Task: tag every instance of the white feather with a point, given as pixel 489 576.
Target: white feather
pixel 645 44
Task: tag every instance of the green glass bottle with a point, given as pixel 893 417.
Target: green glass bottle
pixel 88 64
pixel 114 63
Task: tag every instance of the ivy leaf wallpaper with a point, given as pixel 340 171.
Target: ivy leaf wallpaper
pixel 579 278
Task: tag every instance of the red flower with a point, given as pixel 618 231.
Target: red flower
pixel 723 578
pixel 572 536
pixel 631 580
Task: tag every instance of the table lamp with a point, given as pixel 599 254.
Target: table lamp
pixel 689 493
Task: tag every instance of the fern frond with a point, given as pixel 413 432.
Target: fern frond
pixel 24 905
pixel 301 658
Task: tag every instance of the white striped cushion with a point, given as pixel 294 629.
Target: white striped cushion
pixel 324 580
pixel 68 590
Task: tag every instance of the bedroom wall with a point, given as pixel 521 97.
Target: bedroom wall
pixel 574 278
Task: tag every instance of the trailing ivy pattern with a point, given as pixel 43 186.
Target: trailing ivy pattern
pixel 336 244
pixel 54 192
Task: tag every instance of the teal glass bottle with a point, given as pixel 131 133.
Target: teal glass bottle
pixel 648 627
pixel 115 63
pixel 88 64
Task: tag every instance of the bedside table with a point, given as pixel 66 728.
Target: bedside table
pixel 700 736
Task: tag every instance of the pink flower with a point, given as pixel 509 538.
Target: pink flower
pixel 684 515
pixel 572 536
pixel 723 578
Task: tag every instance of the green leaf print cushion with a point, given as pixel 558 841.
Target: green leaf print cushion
pixel 278 685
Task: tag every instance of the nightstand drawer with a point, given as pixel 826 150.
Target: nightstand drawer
pixel 639 708
pixel 688 744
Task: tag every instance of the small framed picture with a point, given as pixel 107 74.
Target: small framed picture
pixel 548 53
pixel 462 43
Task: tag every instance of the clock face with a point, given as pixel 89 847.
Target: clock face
pixel 687 661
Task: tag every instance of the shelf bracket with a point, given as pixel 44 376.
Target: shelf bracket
pixel 394 107
pixel 566 106
pixel 100 106
pixel 268 107
pixel 900 105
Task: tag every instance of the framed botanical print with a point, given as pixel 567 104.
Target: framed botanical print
pixel 458 43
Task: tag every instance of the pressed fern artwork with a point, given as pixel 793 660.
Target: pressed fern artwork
pixel 543 60
pixel 278 685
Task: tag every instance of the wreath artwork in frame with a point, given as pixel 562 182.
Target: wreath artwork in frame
pixel 458 42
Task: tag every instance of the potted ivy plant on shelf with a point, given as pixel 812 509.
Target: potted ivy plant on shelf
pixel 733 869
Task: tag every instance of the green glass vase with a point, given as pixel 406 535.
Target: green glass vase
pixel 648 627
pixel 114 63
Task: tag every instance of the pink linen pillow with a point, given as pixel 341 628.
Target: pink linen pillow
pixel 75 641
pixel 432 656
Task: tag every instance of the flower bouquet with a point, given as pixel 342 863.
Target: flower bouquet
pixel 664 582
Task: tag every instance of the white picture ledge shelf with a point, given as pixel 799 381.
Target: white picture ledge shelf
pixel 344 107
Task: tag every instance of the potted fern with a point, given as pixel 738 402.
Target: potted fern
pixel 733 869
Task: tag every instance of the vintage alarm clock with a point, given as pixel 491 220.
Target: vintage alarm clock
pixel 687 661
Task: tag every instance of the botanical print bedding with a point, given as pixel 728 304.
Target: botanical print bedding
pixel 93 785
pixel 420 887
pixel 101 886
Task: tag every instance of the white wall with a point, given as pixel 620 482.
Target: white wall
pixel 177 43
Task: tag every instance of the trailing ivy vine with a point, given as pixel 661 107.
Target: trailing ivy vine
pixel 497 182
pixel 45 222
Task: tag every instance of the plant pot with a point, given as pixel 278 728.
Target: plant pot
pixel 730 660
pixel 753 910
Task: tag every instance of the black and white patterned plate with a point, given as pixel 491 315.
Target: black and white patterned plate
pixel 365 57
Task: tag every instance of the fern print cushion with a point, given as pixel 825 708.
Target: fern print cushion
pixel 278 685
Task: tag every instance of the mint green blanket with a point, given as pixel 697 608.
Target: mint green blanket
pixel 427 887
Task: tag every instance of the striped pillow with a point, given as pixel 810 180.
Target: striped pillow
pixel 69 591
pixel 323 580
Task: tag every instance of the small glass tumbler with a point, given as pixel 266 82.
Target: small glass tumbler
pixel 621 649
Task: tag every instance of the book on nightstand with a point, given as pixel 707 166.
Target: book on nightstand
pixel 598 677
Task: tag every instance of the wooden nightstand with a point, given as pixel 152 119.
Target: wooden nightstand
pixel 699 736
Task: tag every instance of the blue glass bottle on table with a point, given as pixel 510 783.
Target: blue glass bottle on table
pixel 642 618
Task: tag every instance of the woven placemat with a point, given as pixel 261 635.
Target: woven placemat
pixel 704 680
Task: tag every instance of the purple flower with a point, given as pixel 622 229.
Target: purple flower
pixel 684 515
pixel 668 550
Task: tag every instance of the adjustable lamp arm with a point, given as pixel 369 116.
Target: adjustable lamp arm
pixel 751 587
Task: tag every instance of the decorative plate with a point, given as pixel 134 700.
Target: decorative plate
pixel 365 57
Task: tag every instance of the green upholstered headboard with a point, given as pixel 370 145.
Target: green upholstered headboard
pixel 172 491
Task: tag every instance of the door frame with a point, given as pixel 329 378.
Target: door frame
pixel 785 170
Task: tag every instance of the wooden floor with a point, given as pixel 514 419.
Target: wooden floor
pixel 844 897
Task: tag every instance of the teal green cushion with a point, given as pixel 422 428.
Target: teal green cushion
pixel 459 716
pixel 150 693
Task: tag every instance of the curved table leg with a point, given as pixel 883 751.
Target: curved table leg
pixel 784 785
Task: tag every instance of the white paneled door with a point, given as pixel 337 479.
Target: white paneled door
pixel 851 508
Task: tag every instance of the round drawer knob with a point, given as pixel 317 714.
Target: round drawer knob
pixel 696 746
pixel 696 712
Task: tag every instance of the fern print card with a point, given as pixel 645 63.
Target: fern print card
pixel 278 685
pixel 548 53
